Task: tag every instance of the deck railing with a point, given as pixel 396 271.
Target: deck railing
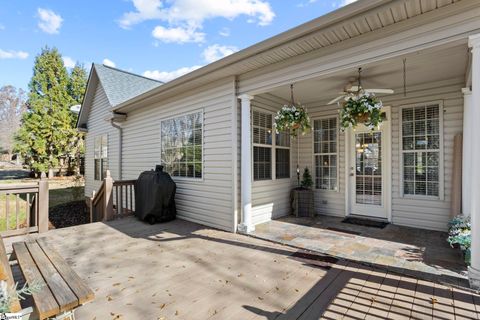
pixel 124 198
pixel 114 199
pixel 24 208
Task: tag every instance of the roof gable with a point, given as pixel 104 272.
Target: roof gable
pixel 118 85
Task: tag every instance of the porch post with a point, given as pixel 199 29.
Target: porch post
pixel 474 169
pixel 467 151
pixel 246 166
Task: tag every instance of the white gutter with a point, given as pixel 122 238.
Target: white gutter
pixel 119 117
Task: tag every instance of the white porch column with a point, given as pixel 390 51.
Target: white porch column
pixel 467 151
pixel 474 169
pixel 246 166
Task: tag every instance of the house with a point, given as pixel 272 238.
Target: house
pixel 213 128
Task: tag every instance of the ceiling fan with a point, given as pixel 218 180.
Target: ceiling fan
pixel 351 89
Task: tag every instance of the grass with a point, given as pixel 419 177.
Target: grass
pixel 60 192
pixel 12 218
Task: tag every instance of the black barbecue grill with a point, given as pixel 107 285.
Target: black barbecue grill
pixel 155 196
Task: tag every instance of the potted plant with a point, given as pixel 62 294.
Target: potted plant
pixel 361 108
pixel 302 197
pixel 460 235
pixel 292 118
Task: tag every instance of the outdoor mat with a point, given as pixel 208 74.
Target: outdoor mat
pixel 365 222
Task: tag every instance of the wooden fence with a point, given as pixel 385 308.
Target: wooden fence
pixel 114 199
pixel 24 208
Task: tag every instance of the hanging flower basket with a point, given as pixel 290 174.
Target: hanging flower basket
pixel 294 119
pixel 363 108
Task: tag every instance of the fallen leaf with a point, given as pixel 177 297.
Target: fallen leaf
pixel 260 298
pixel 116 284
pixel 162 306
pixel 109 298
pixel 296 290
pixel 177 313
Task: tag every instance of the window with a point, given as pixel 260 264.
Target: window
pixel 325 152
pixel 181 145
pixel 421 143
pixel 100 157
pixel 262 141
pixel 266 145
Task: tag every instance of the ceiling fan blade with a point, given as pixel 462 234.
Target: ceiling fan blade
pixel 336 99
pixel 386 91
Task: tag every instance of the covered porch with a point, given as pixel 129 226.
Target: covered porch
pixel 411 178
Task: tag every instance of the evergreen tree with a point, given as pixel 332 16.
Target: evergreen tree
pixel 307 181
pixel 76 89
pixel 47 132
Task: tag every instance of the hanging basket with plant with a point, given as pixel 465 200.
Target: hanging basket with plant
pixel 362 108
pixel 292 118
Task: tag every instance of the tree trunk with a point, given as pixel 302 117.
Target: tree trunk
pixel 50 173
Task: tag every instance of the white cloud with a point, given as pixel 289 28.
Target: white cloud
pixel 50 22
pixel 191 14
pixel 68 62
pixel 109 63
pixel 224 32
pixel 166 76
pixel 177 34
pixel 216 52
pixel 11 54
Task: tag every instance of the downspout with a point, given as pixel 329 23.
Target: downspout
pixel 120 144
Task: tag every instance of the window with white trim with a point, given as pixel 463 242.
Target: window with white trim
pixel 100 156
pixel 182 145
pixel 421 144
pixel 282 155
pixel 269 149
pixel 325 153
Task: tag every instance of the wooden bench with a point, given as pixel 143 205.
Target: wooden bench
pixel 61 289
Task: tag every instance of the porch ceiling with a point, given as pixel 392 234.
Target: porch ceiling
pixel 422 67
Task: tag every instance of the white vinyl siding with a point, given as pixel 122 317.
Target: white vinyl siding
pixel 208 201
pixel 327 202
pixel 420 212
pixel 97 126
pixel 271 198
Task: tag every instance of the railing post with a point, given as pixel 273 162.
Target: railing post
pixel 90 206
pixel 107 197
pixel 43 204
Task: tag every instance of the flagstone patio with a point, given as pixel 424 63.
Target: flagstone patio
pixel 181 270
pixel 415 250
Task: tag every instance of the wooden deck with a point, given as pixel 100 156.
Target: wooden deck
pixel 181 270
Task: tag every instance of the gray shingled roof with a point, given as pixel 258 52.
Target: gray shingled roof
pixel 121 86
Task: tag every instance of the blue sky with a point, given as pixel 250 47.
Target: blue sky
pixel 157 38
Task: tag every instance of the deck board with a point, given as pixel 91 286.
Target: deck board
pixel 180 270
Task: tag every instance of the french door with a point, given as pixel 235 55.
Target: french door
pixel 369 171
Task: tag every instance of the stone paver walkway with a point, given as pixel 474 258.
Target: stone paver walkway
pixel 418 251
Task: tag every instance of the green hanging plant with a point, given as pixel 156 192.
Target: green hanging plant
pixel 293 118
pixel 362 108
